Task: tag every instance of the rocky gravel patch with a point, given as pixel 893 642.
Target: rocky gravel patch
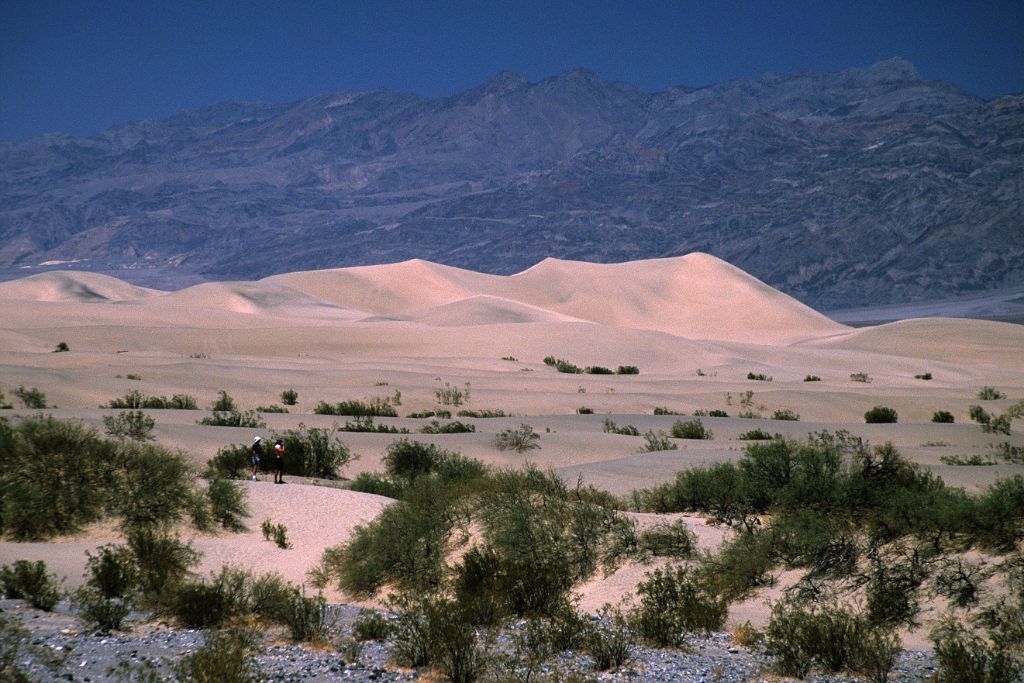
pixel 55 649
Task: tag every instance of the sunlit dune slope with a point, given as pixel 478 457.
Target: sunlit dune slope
pixel 72 286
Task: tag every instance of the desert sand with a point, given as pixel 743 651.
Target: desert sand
pixel 694 325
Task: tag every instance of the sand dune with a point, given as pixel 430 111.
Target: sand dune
pixel 73 286
pixel 694 325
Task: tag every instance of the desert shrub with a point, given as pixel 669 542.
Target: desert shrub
pixel 562 365
pixel 271 409
pixel 227 656
pixel 583 410
pixel 759 377
pixel 598 370
pixel 440 414
pixel 485 413
pixel 4 405
pixel 831 639
pixel 111 572
pixel 880 415
pixel 408 460
pixel 891 591
pixel 32 397
pixel 449 395
pixel 230 462
pixel 61 347
pixel 135 400
pixel 371 482
pixel 156 485
pixel 289 397
pixel 280 536
pixel 249 418
pixel 520 439
pixel 812 378
pixel 456 427
pixel 943 416
pixel 132 424
pixel 965 657
pixel 208 604
pixel 755 435
pixel 661 410
pixel 365 424
pixel 100 613
pixel 371 625
pixel 612 428
pixel 672 602
pixel 667 539
pixel 987 393
pixel 375 407
pixel 925 376
pixel 691 429
pixel 163 563
pixel 431 631
pixel 270 596
pixel 609 641
pixel 657 441
pixel 713 412
pixel 224 403
pixel 959 581
pixel 785 414
pixel 627 370
pixel 860 377
pixel 990 424
pixel 1009 453
pixel 972 460
pixel 227 503
pixel 740 567
pixel 30 581
pixel 314 452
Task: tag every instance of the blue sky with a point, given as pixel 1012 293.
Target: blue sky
pixel 82 66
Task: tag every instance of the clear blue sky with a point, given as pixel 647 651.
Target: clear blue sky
pixel 79 66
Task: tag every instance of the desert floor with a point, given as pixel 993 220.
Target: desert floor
pixel 694 326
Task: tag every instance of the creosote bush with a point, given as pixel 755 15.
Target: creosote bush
pixel 987 393
pixel 785 414
pixel 30 581
pixel 812 378
pixel 691 429
pixel 519 439
pixel 657 441
pixel 130 424
pixel 375 407
pixel 234 418
pixel 673 601
pixel 880 415
pixel 289 397
pixel 860 377
pixel 136 400
pixel 483 413
pixel 628 430
pixel 31 397
pixel 943 416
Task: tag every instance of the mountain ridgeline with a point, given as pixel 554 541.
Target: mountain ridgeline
pixel 860 187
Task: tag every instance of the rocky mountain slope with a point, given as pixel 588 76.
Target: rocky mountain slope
pixel 860 187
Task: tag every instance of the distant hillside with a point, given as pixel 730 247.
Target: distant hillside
pixel 860 187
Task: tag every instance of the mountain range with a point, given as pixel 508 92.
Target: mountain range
pixel 861 187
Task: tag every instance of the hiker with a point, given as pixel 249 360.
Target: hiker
pixel 255 457
pixel 279 462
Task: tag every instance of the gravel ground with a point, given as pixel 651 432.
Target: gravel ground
pixel 60 652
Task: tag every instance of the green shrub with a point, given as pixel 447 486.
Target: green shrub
pixel 612 428
pixel 100 613
pixel 660 410
pixel 365 424
pixel 759 377
pixel 990 424
pixel 492 412
pixel 880 415
pixel 449 395
pixel 280 535
pixel 785 414
pixel 156 487
pixel 657 441
pixel 674 601
pixel 987 393
pixel 61 347
pixel 32 398
pixel 163 562
pixel 111 572
pixel 224 403
pixel 378 485
pixel 456 427
pixel 314 452
pixel 249 418
pixel 371 625
pixel 609 641
pixel 30 581
pixel 4 405
pixel 135 400
pixel 520 439
pixel 667 539
pixel 755 435
pixel 812 378
pixel 583 410
pixel 562 365
pixel 227 502
pixel 831 639
pixel 271 409
pixel 226 657
pixel 861 377
pixel 924 376
pixel 965 657
pixel 289 397
pixel 943 416
pixel 691 429
pixel 375 407
pixel 430 631
pixel 132 424
pixel 598 370
pixel 627 370
pixel 440 414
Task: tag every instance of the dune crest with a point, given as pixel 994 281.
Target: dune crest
pixel 73 286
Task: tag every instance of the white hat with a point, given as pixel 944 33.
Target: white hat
pixel 256 439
